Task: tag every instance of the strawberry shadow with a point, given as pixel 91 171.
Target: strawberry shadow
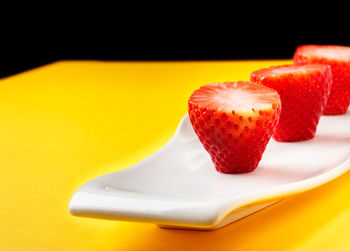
pixel 326 139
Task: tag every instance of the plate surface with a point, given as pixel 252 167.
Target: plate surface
pixel 179 187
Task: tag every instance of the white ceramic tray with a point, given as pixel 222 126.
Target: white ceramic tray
pixel 179 187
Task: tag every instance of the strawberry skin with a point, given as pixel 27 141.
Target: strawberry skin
pixel 234 121
pixel 338 57
pixel 304 90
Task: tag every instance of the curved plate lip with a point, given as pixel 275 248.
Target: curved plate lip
pixel 227 203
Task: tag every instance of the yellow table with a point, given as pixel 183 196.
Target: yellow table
pixel 66 123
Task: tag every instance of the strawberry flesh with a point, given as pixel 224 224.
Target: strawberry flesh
pixel 234 122
pixel 304 90
pixel 338 57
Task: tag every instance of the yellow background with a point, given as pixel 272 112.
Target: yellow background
pixel 66 123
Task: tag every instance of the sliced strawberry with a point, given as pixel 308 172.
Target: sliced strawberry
pixel 304 90
pixel 338 57
pixel 234 122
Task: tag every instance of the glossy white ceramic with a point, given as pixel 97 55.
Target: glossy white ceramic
pixel 179 187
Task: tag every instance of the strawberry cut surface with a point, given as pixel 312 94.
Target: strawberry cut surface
pixel 338 57
pixel 304 91
pixel 234 121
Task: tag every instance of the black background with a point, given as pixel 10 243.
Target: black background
pixel 261 35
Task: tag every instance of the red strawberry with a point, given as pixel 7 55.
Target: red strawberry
pixel 304 90
pixel 234 122
pixel 338 57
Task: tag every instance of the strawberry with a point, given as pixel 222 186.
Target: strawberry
pixel 234 122
pixel 338 57
pixel 304 90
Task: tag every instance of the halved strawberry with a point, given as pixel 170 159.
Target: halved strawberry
pixel 338 57
pixel 304 90
pixel 234 122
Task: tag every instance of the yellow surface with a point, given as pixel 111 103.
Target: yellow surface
pixel 66 123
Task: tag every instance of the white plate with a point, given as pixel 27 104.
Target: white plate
pixel 179 187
